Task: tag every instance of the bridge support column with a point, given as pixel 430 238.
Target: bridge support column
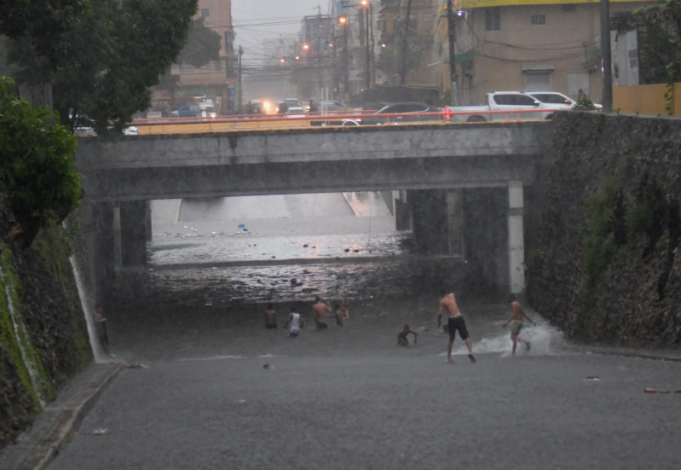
pixel 517 275
pixel 403 213
pixel 455 214
pixel 430 220
pixel 133 230
pixel 102 244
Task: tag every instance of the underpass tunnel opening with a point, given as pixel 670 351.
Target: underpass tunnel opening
pixel 256 248
pixel 470 228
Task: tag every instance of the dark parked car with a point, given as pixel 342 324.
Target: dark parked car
pixel 403 112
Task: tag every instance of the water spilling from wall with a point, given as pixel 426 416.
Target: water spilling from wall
pixel 28 356
pixel 89 312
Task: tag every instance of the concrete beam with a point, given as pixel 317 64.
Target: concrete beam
pixel 377 158
pixel 314 144
pixel 309 177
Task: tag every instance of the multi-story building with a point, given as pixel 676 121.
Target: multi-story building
pixel 354 43
pixel 526 45
pixel 406 49
pixel 216 80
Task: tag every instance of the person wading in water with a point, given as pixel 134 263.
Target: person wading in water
pixel 455 323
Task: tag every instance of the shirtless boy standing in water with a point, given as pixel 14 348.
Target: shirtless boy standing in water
pixel 517 322
pixel 455 323
pixel 270 317
pixel 320 310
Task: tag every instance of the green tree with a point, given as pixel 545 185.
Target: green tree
pixel 659 28
pixel 658 38
pixel 113 55
pixel 37 170
pixel 42 22
pixel 202 46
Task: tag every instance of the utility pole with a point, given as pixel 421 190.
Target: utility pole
pixel 453 65
pixel 239 79
pixel 343 21
pixel 367 61
pixel 346 71
pixel 371 33
pixel 403 69
pixel 607 87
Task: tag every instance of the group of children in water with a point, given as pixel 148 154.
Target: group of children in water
pixel 447 304
pixel 320 310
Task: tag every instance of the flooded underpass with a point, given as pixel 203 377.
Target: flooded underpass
pixel 208 281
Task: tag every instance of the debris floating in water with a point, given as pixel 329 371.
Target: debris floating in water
pixel 138 366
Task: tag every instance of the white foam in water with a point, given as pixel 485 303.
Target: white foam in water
pixel 544 338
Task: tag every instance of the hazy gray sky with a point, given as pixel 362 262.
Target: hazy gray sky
pixel 255 20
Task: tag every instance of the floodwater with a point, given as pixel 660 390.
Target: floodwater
pixel 215 264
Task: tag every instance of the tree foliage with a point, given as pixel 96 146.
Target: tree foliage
pixel 42 22
pixel 659 27
pixel 202 46
pixel 113 54
pixel 37 168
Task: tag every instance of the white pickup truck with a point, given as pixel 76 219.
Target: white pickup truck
pixel 502 106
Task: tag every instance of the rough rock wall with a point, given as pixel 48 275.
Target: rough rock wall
pixel 43 334
pixel 603 230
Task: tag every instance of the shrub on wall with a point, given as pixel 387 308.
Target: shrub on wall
pixel 37 168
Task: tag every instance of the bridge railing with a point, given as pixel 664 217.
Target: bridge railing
pixel 156 126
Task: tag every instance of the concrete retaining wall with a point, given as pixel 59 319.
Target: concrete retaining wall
pixel 603 237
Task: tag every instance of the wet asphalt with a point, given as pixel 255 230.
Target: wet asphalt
pixel 209 388
pixel 391 409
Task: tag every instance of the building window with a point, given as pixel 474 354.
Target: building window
pixel 205 12
pixel 537 20
pixel 538 81
pixel 492 19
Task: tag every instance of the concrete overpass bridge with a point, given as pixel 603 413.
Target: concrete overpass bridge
pixel 433 166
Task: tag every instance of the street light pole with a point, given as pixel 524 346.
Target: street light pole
pixel 239 78
pixel 371 32
pixel 607 86
pixel 403 70
pixel 343 21
pixel 366 4
pixel 346 78
pixel 453 64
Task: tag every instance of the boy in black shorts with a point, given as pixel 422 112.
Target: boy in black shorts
pixel 455 323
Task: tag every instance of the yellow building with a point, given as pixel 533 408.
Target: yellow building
pixel 525 45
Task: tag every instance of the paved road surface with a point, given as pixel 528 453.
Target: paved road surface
pixel 387 409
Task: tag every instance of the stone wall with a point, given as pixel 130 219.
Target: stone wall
pixel 43 334
pixel 603 230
